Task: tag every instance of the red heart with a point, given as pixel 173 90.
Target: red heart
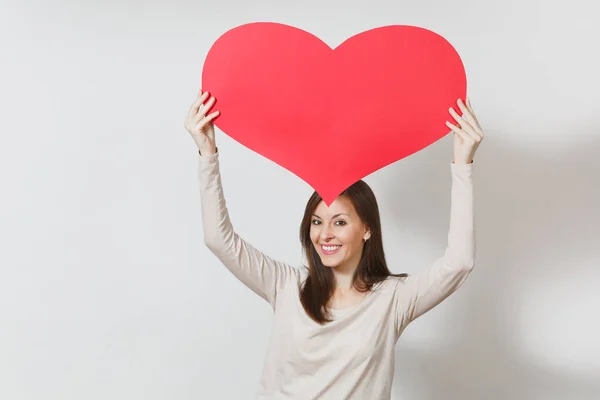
pixel 333 116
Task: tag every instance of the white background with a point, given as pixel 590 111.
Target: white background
pixel 106 289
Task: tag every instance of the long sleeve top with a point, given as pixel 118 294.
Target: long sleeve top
pixel 353 356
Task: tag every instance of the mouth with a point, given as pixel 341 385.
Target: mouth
pixel 330 249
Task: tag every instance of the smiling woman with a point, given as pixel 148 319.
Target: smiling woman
pixel 336 323
pixel 344 250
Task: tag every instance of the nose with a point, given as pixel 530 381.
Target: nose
pixel 326 233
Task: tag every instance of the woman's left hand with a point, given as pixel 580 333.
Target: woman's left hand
pixel 468 135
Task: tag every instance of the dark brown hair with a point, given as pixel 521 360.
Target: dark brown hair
pixel 319 286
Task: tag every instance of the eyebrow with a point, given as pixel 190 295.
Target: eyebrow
pixel 335 216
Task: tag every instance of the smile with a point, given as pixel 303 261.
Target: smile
pixel 328 250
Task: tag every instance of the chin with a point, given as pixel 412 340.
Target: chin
pixel 328 263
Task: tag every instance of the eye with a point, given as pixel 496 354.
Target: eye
pixel 340 222
pixel 316 222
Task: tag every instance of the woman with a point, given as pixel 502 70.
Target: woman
pixel 336 325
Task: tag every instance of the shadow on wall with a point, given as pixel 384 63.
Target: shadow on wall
pixel 535 221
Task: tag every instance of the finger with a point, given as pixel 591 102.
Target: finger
pixel 460 120
pixel 212 116
pixel 470 106
pixel 467 115
pixel 479 131
pixel 473 113
pixel 473 133
pixel 207 119
pixel 464 124
pixel 196 105
pixel 204 109
pixel 466 137
pixel 468 129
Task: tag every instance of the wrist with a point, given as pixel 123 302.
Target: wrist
pixel 207 151
pixel 462 162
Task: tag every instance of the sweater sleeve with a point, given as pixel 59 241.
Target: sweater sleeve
pixel 419 293
pixel 254 269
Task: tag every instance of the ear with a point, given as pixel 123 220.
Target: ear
pixel 367 235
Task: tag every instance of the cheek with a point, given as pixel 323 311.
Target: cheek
pixel 353 237
pixel 314 234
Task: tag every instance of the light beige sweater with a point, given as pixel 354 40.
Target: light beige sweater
pixel 353 356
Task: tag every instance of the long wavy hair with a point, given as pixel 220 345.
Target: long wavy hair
pixel 319 286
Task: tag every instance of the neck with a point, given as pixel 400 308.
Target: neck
pixel 343 274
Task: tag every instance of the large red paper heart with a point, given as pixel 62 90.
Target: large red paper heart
pixel 333 116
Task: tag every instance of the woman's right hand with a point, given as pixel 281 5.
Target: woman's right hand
pixel 200 125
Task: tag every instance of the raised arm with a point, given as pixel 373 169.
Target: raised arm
pixel 257 271
pixel 419 293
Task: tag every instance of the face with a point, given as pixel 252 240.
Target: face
pixel 338 234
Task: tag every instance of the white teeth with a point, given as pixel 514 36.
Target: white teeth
pixel 331 248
